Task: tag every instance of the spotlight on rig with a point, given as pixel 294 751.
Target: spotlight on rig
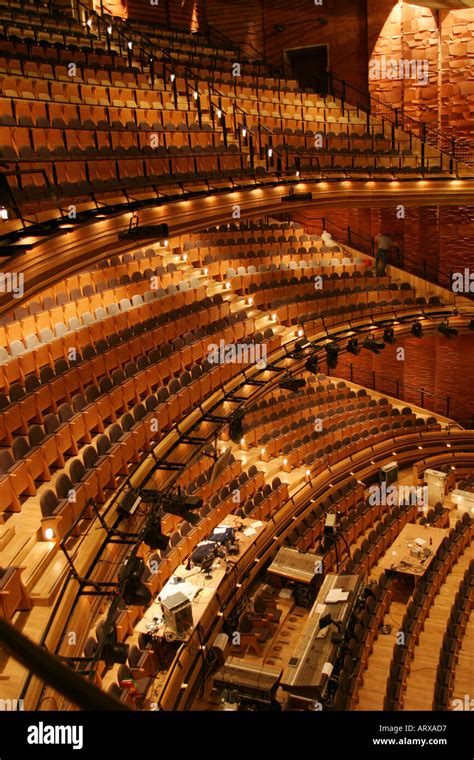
pixel 135 592
pixel 332 354
pixel 236 426
pixel 389 336
pixel 311 364
pixel 300 345
pixel 114 652
pixel 372 345
pixel 154 538
pixel 417 329
pixel 183 506
pixel 292 383
pixel 353 346
pixel 446 330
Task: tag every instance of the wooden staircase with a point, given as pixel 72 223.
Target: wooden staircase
pixel 419 691
pixel 374 680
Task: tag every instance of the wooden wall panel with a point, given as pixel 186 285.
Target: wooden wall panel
pixel 439 366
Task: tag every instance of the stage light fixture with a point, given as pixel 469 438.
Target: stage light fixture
pixel 372 345
pixel 312 365
pixel 417 329
pixel 114 652
pixel 299 346
pixel 154 538
pixel 134 591
pixel 446 330
pixel 389 335
pixel 353 346
pixel 292 383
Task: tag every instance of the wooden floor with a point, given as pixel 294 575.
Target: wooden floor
pixel 422 676
pixel 372 692
pixel 464 673
pixel 421 679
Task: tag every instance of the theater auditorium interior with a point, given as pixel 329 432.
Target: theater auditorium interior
pixel 236 355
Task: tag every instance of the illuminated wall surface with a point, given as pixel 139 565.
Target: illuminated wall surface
pixel 435 45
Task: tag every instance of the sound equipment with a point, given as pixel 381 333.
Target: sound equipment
pixel 177 612
pixel 252 682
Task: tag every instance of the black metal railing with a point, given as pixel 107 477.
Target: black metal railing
pixel 451 148
pixel 365 243
pixel 447 406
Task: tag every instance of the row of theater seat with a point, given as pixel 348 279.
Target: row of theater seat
pixel 452 640
pixel 98 176
pixel 99 405
pixel 355 661
pixel 111 365
pixel 59 312
pixel 38 350
pixel 127 353
pixel 418 608
pixel 46 335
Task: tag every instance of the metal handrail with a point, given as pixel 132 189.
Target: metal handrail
pixel 401 389
pixel 365 243
pixel 373 105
